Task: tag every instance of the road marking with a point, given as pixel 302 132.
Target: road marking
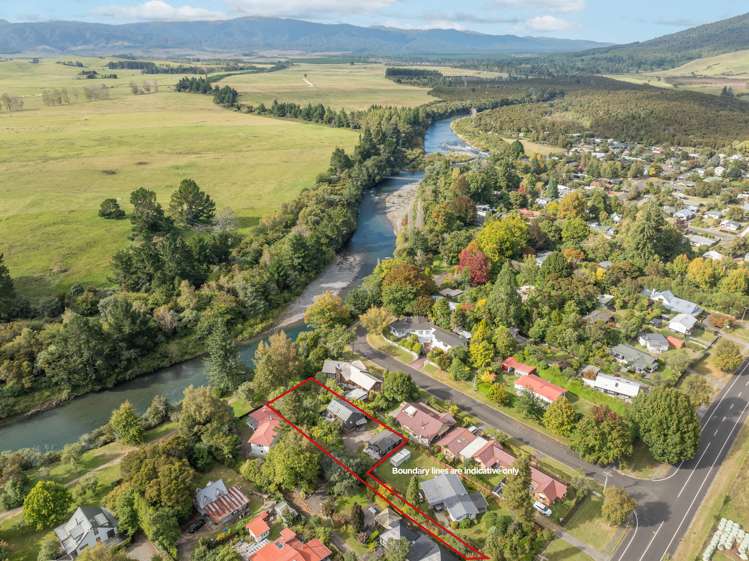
pixel 741 392
pixel 696 467
pixel 730 406
pixel 634 533
pixel 716 431
pixel 723 420
pixel 697 494
pixel 651 541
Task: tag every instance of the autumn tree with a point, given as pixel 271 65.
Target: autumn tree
pixel 727 356
pixel 473 260
pixel 617 507
pixel 504 238
pixel 402 286
pixel 327 311
pixel 277 362
pixel 126 424
pixel 560 417
pixel 375 320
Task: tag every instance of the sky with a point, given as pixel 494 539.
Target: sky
pixel 611 21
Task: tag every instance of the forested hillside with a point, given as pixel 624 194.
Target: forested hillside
pixel 613 109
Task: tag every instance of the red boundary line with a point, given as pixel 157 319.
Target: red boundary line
pixel 480 556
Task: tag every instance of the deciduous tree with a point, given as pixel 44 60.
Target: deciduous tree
pixel 46 505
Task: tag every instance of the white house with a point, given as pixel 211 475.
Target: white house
pixel 614 385
pixel 653 342
pixel 714 255
pixel 730 226
pixel 682 323
pixel 87 527
pixel 428 334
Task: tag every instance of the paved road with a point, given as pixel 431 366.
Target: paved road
pixel 667 505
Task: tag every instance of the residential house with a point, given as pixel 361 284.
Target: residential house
pixel 288 547
pixel 446 491
pixel 423 423
pixel 673 303
pixel 698 241
pixel 353 375
pixel 382 444
pixel 349 416
pixel 220 504
pixel 461 443
pixel 599 315
pixel 543 390
pixel 265 426
pixel 614 385
pixel 89 526
pixel 634 359
pixel 730 226
pixel 713 215
pixel 258 527
pixel 422 548
pixel 684 214
pixel 513 366
pixel 682 323
pixel 429 335
pixel 713 255
pixel 653 342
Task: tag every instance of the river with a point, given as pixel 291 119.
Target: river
pixel 373 240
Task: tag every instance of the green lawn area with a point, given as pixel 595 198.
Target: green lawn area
pixel 560 550
pixel 379 342
pixel 85 152
pixel 586 524
pixel 348 86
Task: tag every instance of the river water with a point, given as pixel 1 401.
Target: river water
pixel 373 240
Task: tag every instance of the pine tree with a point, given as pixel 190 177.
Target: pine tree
pixel 190 205
pixel 225 369
pixel 517 491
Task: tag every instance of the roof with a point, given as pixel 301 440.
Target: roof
pixel 550 487
pixel 618 385
pixel 266 424
pixel 387 518
pixel 673 303
pixel 634 357
pixel 218 503
pixel 423 421
pixel 653 339
pixel 385 441
pixel 258 525
pixel 419 323
pixel 675 342
pixel 492 455
pixel 357 394
pixel 511 363
pixel 603 315
pixel 687 321
pixel 290 548
pixel 457 439
pixel 451 292
pixel 448 490
pixel 540 387
pixel 85 520
pixel 472 449
pixel 354 372
pixel 343 411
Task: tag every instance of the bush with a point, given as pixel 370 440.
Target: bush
pixel 110 209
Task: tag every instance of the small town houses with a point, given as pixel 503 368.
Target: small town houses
pixel 87 527
pixel 446 492
pixel 221 505
pixel 429 335
pixel 265 425
pixel 422 423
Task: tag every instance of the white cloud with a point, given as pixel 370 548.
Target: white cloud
pixel 157 10
pixel 550 5
pixel 306 8
pixel 548 24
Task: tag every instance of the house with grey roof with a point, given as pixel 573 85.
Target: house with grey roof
pixel 429 335
pixel 446 491
pixel 383 443
pixel 671 302
pixel 353 376
pixel 349 417
pixel 634 359
pixel 89 526
pixel 422 548
pixel 653 342
pixel 614 385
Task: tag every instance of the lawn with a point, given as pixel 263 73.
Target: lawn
pixel 349 86
pixel 587 525
pixel 85 152
pixel 560 550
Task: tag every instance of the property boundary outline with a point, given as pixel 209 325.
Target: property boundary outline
pixel 476 555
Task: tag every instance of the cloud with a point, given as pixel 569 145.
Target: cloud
pixel 306 8
pixel 157 10
pixel 547 5
pixel 548 24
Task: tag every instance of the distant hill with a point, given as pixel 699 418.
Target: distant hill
pixel 672 50
pixel 266 34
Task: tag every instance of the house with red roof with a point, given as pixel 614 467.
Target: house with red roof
pixel 265 426
pixel 543 390
pixel 455 441
pixel 220 504
pixel 423 423
pixel 511 365
pixel 258 527
pixel 675 342
pixel 288 547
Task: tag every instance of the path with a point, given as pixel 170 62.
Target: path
pixel 666 505
pixel 560 532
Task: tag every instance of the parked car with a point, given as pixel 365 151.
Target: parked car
pixel 497 491
pixel 195 525
pixel 542 508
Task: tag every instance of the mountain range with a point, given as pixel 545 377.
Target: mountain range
pixel 267 34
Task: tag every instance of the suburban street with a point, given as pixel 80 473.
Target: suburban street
pixel 666 505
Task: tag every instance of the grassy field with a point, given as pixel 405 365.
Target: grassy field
pixel 707 75
pixel 60 162
pixel 560 550
pixel 351 86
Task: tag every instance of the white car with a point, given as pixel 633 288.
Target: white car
pixel 542 508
